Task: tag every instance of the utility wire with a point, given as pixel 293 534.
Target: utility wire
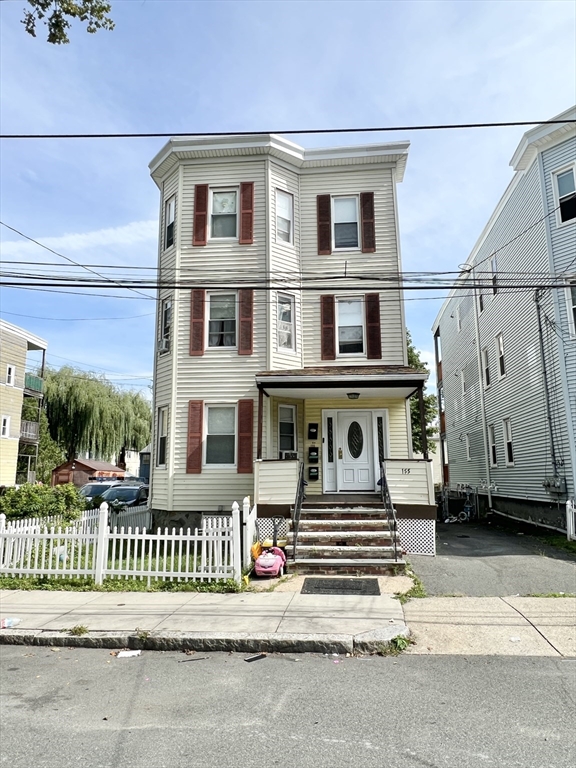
pixel 56 253
pixel 298 131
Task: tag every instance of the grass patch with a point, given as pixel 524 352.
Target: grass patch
pixel 395 647
pixel 416 590
pixel 78 630
pixel 116 585
pixel 559 542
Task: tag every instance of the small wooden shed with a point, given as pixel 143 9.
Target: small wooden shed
pixel 82 471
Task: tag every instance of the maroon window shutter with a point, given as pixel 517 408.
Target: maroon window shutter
pixel 246 302
pixel 197 304
pixel 328 332
pixel 324 225
pixel 373 335
pixel 368 230
pixel 200 214
pixel 245 437
pixel 194 442
pixel 246 213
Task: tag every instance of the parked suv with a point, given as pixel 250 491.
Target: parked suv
pixel 124 495
pixel 97 488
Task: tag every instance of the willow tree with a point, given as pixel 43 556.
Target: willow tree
pixel 88 413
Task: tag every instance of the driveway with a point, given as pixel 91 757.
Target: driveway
pixel 481 561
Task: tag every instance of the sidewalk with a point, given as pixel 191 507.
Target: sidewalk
pixel 283 621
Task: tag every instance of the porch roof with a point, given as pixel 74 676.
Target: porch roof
pixel 331 381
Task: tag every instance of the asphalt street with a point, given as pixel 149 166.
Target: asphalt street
pixel 483 561
pixel 87 707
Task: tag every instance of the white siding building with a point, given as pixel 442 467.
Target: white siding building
pixel 280 328
pixel 506 341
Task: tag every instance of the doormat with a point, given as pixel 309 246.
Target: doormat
pixel 340 587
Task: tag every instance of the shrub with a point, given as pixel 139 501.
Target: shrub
pixel 42 501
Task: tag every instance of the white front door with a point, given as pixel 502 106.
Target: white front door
pixel 354 451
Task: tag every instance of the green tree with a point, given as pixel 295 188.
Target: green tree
pixel 57 15
pixel 88 413
pixel 50 455
pixel 42 501
pixel 430 404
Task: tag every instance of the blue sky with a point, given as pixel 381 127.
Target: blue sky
pixel 180 65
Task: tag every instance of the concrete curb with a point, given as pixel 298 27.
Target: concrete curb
pixel 374 641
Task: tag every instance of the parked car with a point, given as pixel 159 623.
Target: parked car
pixel 123 495
pixel 91 490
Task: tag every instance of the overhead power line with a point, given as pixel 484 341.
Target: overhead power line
pixel 300 131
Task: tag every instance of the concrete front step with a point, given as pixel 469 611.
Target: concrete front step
pixel 337 567
pixel 353 552
pixel 344 525
pixel 343 538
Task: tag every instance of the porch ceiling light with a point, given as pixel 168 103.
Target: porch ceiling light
pixel 353 395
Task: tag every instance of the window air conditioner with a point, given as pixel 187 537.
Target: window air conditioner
pixel 288 455
pixel 163 345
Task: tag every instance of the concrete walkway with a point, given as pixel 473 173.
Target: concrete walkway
pixel 290 621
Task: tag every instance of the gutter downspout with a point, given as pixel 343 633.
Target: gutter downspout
pixel 545 377
pixel 481 386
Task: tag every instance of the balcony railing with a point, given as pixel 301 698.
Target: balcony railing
pixel 33 383
pixel 29 430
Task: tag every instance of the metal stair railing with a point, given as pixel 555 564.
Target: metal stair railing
pixel 297 508
pixel 389 509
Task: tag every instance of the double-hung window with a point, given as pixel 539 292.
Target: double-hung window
pixel 467 441
pixel 10 375
pixel 224 214
pixel 509 452
pixel 220 435
pixel 222 319
pixel 350 320
pixel 284 217
pixel 494 267
pixel 486 366
pixel 572 307
pixel 500 353
pixel 492 441
pixel 286 324
pixel 165 325
pixel 162 437
pixel 345 222
pixel 566 190
pixel 169 218
pixel 286 429
pixel 5 432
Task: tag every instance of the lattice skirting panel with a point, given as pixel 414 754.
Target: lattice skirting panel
pixel 418 537
pixel 265 530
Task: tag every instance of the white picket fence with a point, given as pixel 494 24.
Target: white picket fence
pixel 571 519
pixel 101 552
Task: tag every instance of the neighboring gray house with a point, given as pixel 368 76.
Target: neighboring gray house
pixel 506 341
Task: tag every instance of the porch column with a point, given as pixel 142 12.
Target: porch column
pixel 260 420
pixel 423 422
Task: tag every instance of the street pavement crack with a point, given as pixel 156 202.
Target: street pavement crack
pixel 284 613
pixel 532 625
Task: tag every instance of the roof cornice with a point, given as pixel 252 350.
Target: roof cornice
pixel 541 136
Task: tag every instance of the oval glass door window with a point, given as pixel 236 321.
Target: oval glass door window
pixel 355 440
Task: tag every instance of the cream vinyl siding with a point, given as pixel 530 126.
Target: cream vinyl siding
pixel 397 437
pixel 12 352
pixel 277 483
pixel 379 181
pixel 285 264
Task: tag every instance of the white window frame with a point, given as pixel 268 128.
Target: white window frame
pixel 218 190
pixel 362 300
pixel 209 295
pixel 290 197
pixel 571 306
pixel 207 406
pixel 493 448
pixel 463 382
pixel 494 268
pixel 333 223
pixel 5 428
pixel 486 368
pixel 292 299
pixel 508 440
pixel 555 174
pixel 294 410
pixel 170 219
pixel 458 319
pixel 10 375
pixel 467 444
pixel 500 356
pixel 166 319
pixel 162 429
